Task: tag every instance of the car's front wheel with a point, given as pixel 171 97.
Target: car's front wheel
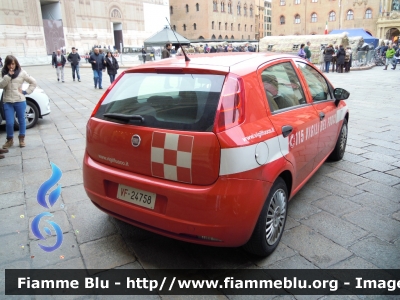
pixel 271 222
pixel 31 115
pixel 340 147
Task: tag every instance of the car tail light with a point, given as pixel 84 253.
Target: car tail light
pixel 231 107
pixel 105 95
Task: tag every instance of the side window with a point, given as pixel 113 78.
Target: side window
pixel 282 87
pixel 316 82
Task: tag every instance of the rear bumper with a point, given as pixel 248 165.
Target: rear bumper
pixel 225 211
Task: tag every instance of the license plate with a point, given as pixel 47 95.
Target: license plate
pixel 136 196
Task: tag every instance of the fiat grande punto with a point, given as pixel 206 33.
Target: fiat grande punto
pixel 211 150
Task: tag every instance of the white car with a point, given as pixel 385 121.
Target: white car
pixel 37 106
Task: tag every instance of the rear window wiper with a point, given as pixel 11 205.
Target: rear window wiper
pixel 123 117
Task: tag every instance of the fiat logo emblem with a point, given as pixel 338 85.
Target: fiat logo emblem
pixel 136 140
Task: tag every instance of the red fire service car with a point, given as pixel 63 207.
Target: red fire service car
pixel 211 150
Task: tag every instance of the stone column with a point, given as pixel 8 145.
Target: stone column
pixel 72 35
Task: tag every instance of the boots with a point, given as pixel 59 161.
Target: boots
pixel 9 143
pixel 1 153
pixel 385 67
pixel 21 139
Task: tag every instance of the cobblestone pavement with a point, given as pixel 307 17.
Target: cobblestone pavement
pixel 347 216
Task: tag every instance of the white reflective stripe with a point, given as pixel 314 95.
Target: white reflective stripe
pixel 241 159
pixel 340 113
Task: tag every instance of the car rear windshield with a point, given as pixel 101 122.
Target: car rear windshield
pixel 170 101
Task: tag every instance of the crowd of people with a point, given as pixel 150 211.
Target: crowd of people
pixel 391 55
pixel 337 56
pixel 192 49
pixel 100 61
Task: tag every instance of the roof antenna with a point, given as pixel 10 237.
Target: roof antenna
pixel 184 53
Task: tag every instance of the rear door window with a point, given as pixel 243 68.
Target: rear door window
pixel 282 87
pixel 168 101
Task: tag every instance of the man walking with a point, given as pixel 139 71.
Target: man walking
pixel 144 55
pixel 389 56
pixel 74 58
pixel 166 53
pixel 308 51
pixel 97 61
pixel 58 62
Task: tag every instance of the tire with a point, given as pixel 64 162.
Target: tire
pixel 340 147
pixel 272 224
pixel 31 115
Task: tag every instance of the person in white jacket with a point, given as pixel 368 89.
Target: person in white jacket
pixel 12 78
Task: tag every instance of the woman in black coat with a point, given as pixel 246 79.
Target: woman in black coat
pixel 328 53
pixel 341 55
pixel 111 65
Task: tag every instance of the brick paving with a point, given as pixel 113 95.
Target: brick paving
pixel 346 216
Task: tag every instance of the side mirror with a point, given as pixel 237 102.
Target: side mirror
pixel 341 94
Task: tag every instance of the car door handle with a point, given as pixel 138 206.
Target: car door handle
pixel 286 130
pixel 321 116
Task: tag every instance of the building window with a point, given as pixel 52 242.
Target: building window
pixel 220 37
pixel 212 25
pixel 282 20
pixel 251 10
pixel 296 1
pixel 226 26
pixel 238 27
pixel 314 18
pixel 245 10
pixel 222 7
pixel 174 28
pixel 282 2
pixel 194 26
pixel 297 19
pixel 229 7
pixel 219 25
pixel 197 7
pixel 332 16
pixel 171 10
pixel 350 15
pixel 184 27
pixel 238 8
pixel 226 37
pixel 232 37
pixel 251 28
pixel 213 37
pixel 368 14
pixel 215 6
pixel 245 27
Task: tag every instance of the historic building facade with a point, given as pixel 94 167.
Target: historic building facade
pixel 39 27
pixel 389 20
pixel 215 19
pixel 299 17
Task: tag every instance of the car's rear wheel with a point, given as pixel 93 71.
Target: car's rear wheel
pixel 340 147
pixel 271 222
pixel 31 115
